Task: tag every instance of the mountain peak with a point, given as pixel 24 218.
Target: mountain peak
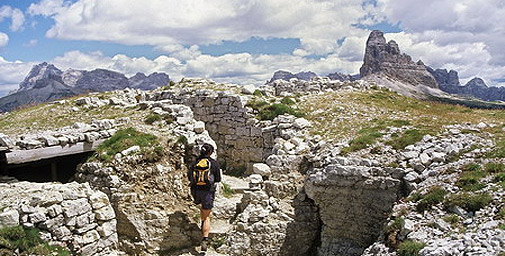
pixel 383 58
pixel 39 73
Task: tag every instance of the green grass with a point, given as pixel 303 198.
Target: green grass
pixel 227 190
pixel 408 137
pixel 287 101
pixel 433 196
pixel 267 111
pixel 470 180
pixel 501 213
pixel 366 137
pixel 396 225
pixel 27 240
pixel 498 151
pixel 127 138
pixel 468 201
pixel 494 167
pixel 150 119
pixel 258 93
pixel 451 219
pixel 472 167
pixel 410 248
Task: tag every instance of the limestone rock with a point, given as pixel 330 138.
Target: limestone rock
pixel 262 169
pixel 385 58
pixel 9 218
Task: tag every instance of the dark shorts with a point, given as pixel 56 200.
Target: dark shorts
pixel 204 197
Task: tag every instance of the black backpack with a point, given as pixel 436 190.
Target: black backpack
pixel 201 175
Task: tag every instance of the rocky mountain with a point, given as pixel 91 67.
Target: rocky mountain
pixel 449 82
pixel 45 82
pixel 383 58
pixel 286 75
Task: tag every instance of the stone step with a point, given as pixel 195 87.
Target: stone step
pixel 220 227
pixel 237 184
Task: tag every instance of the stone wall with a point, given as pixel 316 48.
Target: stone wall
pixel 354 197
pixel 78 132
pixel 73 215
pixel 241 138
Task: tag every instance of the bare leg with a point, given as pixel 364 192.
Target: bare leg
pixel 205 215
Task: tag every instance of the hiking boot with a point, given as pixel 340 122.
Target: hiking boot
pixel 203 245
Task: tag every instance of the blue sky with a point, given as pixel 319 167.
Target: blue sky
pixel 246 41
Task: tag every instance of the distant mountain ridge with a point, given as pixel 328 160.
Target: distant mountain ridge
pixel 308 75
pixel 45 82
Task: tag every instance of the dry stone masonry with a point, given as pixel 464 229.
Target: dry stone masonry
pixel 73 214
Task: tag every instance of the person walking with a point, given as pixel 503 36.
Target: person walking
pixel 203 176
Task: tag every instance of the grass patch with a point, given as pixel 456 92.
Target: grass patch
pixel 395 226
pixel 127 138
pixel 408 137
pixel 150 119
pixel 451 219
pixel 501 213
pixel 258 93
pixel 287 101
pixel 27 240
pixel 498 151
pixel 470 180
pixel 410 248
pixel 500 179
pixel 472 167
pixel 433 196
pixel 494 167
pixel 366 137
pixel 227 190
pixel 267 111
pixel 468 201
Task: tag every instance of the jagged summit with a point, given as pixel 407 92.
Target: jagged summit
pixel 45 82
pixel 383 58
pixel 39 75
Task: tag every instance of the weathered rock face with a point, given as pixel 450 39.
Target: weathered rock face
pixel 72 214
pixel 385 58
pixel 354 198
pixel 286 76
pixel 342 77
pixel 45 82
pixel 449 82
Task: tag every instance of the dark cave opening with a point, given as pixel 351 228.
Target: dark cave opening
pixel 60 169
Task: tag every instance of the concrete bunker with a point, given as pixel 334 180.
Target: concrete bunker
pixel 48 164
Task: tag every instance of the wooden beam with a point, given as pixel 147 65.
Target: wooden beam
pixel 31 155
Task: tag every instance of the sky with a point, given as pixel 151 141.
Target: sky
pixel 245 42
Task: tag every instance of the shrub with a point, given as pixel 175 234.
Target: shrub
pixel 494 167
pixel 27 240
pixel 258 93
pixel 468 201
pixel 410 248
pixel 432 197
pixel 408 137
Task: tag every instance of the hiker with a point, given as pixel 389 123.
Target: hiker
pixel 203 175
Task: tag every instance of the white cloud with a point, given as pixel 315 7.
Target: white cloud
pixel 472 32
pixel 11 74
pixel 168 23
pixel 31 43
pixel 17 17
pixel 4 39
